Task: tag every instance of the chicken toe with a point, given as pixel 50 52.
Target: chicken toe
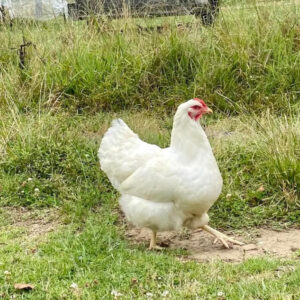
pixel 221 237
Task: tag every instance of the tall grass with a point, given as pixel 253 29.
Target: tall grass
pixel 250 56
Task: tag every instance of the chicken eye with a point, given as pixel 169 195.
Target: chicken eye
pixel 196 107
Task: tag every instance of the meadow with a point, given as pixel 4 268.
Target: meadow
pixel 61 229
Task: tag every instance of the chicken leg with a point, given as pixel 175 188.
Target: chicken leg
pixel 153 245
pixel 220 236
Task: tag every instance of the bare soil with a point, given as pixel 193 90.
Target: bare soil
pixel 258 242
pixel 34 223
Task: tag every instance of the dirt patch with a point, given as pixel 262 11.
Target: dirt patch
pixel 35 223
pixel 200 244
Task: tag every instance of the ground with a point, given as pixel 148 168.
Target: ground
pixel 64 261
pixel 258 243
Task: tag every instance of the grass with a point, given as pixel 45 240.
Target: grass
pixel 80 76
pixel 59 153
pixel 249 56
pixel 99 261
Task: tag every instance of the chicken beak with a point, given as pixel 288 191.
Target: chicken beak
pixel 209 111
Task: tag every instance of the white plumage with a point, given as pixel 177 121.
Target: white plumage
pixel 164 189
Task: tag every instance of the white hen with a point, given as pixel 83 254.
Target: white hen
pixel 165 189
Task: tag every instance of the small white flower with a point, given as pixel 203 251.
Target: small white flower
pixel 29 179
pixel 74 286
pixel 116 293
pixel 7 273
pixel 165 293
pixel 220 294
pixel 228 196
pixel 150 295
pixel 22 192
pixel 36 190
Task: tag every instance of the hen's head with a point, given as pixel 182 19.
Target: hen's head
pixel 195 108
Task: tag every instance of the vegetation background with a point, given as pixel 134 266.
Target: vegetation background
pixel 59 217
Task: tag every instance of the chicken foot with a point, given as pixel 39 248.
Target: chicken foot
pixel 221 237
pixel 153 245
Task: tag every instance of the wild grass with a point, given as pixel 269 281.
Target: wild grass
pixel 250 56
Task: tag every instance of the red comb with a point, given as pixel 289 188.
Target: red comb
pixel 201 101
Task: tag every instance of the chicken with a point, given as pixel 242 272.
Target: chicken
pixel 165 189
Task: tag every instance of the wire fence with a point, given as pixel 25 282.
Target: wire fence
pixel 140 8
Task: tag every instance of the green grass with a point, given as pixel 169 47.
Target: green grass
pixel 250 56
pixel 99 261
pixel 78 78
